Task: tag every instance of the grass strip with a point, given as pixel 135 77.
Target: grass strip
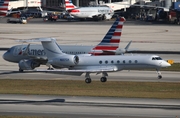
pixel 96 88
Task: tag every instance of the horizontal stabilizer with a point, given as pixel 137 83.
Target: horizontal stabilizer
pixel 36 40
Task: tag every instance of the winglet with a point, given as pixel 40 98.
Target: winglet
pixel 127 47
pixel 111 40
pixel 26 52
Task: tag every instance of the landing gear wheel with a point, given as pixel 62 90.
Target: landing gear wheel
pixel 103 79
pixel 21 70
pixel 159 76
pixel 103 17
pixel 88 80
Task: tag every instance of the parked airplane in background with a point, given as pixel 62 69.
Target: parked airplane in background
pixel 4 8
pixel 77 65
pixel 96 13
pixel 34 55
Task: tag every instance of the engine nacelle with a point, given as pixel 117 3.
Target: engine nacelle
pixel 65 61
pixel 28 64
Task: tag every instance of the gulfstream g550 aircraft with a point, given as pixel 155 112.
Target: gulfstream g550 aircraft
pixel 78 65
pixel 34 55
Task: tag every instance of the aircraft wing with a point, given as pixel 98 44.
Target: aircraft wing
pixel 38 57
pixel 78 72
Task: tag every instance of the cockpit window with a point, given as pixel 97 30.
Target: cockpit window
pixel 156 58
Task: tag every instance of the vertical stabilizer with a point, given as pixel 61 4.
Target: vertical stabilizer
pixel 69 5
pixel 111 40
pixel 4 7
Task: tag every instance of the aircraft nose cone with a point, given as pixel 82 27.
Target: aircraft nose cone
pixel 5 56
pixel 165 64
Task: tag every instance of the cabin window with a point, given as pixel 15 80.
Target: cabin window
pixel 129 61
pixel 118 61
pixel 136 61
pixel 106 62
pixel 112 61
pixel 124 61
pixel 100 62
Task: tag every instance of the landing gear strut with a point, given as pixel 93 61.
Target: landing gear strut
pixel 88 78
pixel 159 74
pixel 103 78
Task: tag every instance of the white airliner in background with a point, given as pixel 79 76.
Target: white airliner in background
pixel 31 56
pixel 96 13
pixel 77 65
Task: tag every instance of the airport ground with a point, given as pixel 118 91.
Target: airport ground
pixel 145 36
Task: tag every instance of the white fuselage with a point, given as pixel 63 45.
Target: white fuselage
pixel 117 62
pixel 14 54
pixel 90 12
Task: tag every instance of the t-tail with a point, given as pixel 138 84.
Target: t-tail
pixel 111 40
pixel 51 47
pixel 69 5
pixel 4 7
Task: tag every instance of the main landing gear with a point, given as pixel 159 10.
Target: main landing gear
pixel 102 79
pixel 159 74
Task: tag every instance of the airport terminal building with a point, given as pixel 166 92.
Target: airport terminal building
pixel 54 3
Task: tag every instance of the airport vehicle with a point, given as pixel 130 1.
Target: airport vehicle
pixel 77 65
pixel 96 13
pixel 31 56
pixel 51 17
pixel 22 20
pixel 4 8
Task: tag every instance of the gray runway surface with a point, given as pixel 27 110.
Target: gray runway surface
pixel 144 37
pixel 80 107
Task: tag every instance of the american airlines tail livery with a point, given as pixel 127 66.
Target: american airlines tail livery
pixel 96 13
pixel 34 55
pixel 4 8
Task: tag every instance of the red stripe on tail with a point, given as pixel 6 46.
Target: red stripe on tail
pixel 105 48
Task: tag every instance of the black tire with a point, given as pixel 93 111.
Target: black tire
pixel 88 80
pixel 103 79
pixel 21 70
pixel 159 76
pixel 104 17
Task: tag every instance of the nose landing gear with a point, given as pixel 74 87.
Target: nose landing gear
pixel 159 74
